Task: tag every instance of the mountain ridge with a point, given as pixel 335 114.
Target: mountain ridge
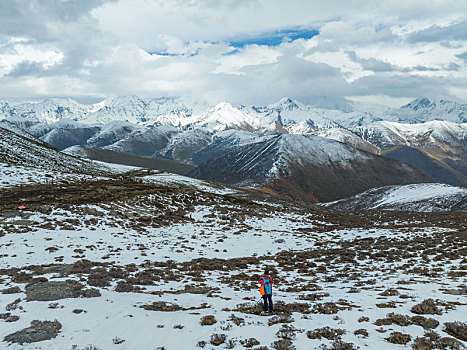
pixel 192 132
pixel 306 167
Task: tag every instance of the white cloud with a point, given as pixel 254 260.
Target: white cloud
pixel 251 55
pixel 18 51
pixel 397 49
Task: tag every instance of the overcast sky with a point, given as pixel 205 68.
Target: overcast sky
pixel 242 51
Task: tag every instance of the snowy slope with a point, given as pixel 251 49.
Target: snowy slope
pixel 306 166
pixel 125 108
pixel 155 263
pixel 418 197
pixel 424 109
pixel 51 110
pixel 347 137
pixel 19 150
pixel 437 134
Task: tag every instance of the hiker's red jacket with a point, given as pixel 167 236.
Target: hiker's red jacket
pixel 266 285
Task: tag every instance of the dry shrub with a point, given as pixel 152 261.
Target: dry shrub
pixel 433 341
pixel 12 290
pixel 38 331
pixel 239 321
pixel 364 319
pixel 313 296
pixel 217 339
pixel 283 344
pixel 398 338
pixel 363 332
pixel 285 308
pixel 280 319
pixel 123 287
pixel 383 322
pixel 249 343
pixel 425 322
pixel 286 332
pixel 390 292
pixel 388 305
pixel 162 306
pixel 340 345
pixel 7 317
pixel 426 307
pixel 400 320
pixel 456 329
pixel 325 308
pixel 208 320
pixel 325 332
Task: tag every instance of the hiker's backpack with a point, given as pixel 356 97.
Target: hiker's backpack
pixel 266 286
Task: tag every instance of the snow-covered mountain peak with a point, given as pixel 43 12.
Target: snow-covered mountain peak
pixel 424 109
pixel 124 101
pixel 287 104
pixel 421 102
pixel 226 116
pixel 224 106
pixel 59 101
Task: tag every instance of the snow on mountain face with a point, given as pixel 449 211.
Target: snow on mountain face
pixel 183 112
pixel 386 134
pixel 417 197
pixel 225 116
pixel 20 150
pixel 175 111
pixel 306 167
pixel 261 162
pixel 113 132
pixel 185 144
pixel 51 110
pixel 303 149
pixel 17 130
pixel 145 142
pixel 347 137
pixel 126 108
pixel 424 109
pixel 418 103
pixel 373 130
pixel 226 141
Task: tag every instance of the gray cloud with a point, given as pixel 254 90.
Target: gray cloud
pixel 38 19
pixel 103 44
pixel 435 33
pixel 371 64
pixel 405 85
pixel 463 56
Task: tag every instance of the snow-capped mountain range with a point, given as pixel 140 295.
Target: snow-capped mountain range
pixel 183 112
pixel 420 121
pixel 194 132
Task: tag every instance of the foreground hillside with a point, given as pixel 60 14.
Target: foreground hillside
pixel 171 263
pixel 26 150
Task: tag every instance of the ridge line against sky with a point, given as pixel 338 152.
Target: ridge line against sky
pixel 242 51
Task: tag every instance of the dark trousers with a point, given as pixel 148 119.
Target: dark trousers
pixel 267 299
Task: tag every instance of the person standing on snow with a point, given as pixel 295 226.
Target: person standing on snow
pixel 266 291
